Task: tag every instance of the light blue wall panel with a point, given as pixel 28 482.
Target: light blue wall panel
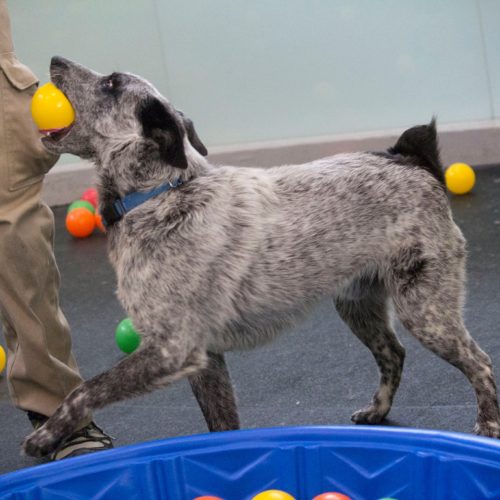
pixel 290 68
pixel 490 16
pixel 104 34
pixel 276 69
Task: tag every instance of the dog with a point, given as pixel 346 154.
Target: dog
pixel 214 258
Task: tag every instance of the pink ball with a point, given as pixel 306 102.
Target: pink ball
pixel 90 195
pixel 332 495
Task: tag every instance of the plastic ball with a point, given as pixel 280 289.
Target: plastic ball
pixel 332 496
pixel 99 223
pixel 81 204
pixel 460 178
pixel 207 498
pixel 51 109
pixel 126 337
pixel 80 222
pixel 273 495
pixel 3 359
pixel 91 196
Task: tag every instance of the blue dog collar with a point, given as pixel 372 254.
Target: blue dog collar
pixel 132 200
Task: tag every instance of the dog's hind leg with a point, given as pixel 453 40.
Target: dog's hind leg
pixel 368 317
pixel 214 391
pixel 150 367
pixel 427 294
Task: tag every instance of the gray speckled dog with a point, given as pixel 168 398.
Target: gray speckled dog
pixel 233 256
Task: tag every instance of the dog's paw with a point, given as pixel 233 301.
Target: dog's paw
pixel 370 414
pixel 39 443
pixel 488 429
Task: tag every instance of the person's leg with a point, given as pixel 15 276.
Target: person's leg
pixel 41 369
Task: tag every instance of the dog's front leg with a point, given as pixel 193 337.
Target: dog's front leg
pixel 148 368
pixel 214 392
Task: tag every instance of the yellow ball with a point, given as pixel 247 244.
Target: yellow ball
pixel 460 178
pixel 51 109
pixel 273 495
pixel 3 359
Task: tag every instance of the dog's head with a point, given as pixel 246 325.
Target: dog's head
pixel 120 112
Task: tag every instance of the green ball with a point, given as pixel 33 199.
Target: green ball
pixel 81 204
pixel 126 337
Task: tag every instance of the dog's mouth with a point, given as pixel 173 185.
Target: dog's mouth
pixel 56 134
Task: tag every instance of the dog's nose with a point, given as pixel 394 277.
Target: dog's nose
pixel 58 62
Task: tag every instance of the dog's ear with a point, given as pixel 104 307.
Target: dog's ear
pixel 192 135
pixel 162 126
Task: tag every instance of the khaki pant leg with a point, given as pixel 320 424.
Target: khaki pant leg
pixel 41 370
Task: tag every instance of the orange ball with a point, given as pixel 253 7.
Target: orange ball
pixel 332 496
pixel 99 223
pixel 80 222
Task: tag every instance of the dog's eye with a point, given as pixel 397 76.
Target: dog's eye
pixel 109 83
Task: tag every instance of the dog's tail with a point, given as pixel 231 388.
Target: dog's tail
pixel 421 144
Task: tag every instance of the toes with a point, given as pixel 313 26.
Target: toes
pixel 368 415
pixel 38 444
pixel 32 449
pixel 488 429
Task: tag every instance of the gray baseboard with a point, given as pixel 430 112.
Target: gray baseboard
pixel 473 143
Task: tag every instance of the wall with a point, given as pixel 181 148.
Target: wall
pixel 265 70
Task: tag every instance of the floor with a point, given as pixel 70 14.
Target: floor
pixel 321 382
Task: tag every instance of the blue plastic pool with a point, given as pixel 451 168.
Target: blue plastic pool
pixel 365 463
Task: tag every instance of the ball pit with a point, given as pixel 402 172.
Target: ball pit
pixel 364 463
